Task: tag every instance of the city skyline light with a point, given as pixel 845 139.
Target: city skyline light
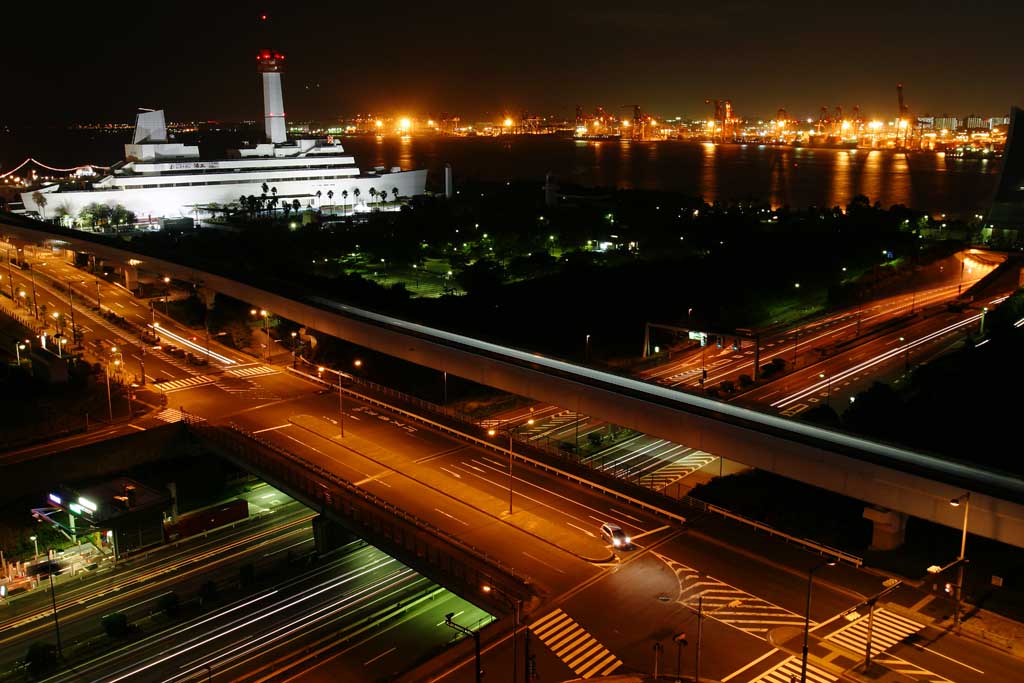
pixel 482 62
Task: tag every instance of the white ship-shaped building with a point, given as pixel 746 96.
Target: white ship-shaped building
pixel 164 179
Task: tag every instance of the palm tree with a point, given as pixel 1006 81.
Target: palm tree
pixel 318 197
pixel 296 204
pixel 273 191
pixel 265 188
pixel 394 191
pixel 373 194
pixel 355 194
pixel 40 199
pixel 286 207
pixel 344 200
pixel 330 196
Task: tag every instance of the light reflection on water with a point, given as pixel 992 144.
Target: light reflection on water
pixel 798 177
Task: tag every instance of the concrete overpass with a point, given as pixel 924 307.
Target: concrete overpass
pixel 896 482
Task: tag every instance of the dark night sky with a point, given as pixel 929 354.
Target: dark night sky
pixel 99 61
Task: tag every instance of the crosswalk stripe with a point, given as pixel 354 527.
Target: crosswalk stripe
pixel 888 629
pixel 574 645
pixel 790 668
pixel 253 371
pixel 179 384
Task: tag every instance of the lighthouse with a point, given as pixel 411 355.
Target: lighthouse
pixel 270 63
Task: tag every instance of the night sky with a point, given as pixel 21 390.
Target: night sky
pixel 99 61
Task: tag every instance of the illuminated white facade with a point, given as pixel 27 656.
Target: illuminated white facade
pixel 162 179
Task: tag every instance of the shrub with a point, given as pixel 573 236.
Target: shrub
pixel 115 624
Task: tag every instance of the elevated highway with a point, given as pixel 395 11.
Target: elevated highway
pixel 895 479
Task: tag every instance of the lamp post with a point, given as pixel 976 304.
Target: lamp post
pixel 493 432
pixel 110 404
pixel 71 305
pixel 53 597
pixel 266 329
pixel 467 632
pixel 517 608
pixel 294 342
pixel 828 387
pixel 981 328
pixel 586 350
pixel 807 616
pixel 965 499
pixel 906 353
pixel 796 345
pixel 18 348
pixel 35 543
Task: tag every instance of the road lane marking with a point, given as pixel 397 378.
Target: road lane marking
pixel 546 564
pixel 269 429
pixel 454 474
pixel 382 654
pixel 586 531
pixel 451 516
pixel 620 512
pixel 955 661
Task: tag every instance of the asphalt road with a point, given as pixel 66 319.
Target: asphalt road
pixel 614 605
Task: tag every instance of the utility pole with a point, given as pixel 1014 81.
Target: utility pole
pixel 700 630
pixel 53 596
pixel 71 305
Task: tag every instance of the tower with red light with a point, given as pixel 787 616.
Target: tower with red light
pixel 270 63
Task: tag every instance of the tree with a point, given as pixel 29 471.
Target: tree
pixel 373 194
pixel 344 200
pixel 40 199
pixel 264 188
pixel 296 205
pixel 394 191
pixel 273 191
pixel 318 197
pixel 115 624
pixel 169 604
pixel 482 278
pixel 355 195
pixel 330 196
pixel 877 412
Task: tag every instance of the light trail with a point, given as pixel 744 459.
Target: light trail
pixel 871 362
pixel 589 378
pixel 159 329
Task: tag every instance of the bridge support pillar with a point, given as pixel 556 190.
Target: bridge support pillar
pixel 131 278
pixel 889 528
pixel 328 535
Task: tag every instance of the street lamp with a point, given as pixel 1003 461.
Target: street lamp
pixel 35 542
pixel 965 499
pixel 586 349
pixel 517 608
pixel 467 632
pixel 266 329
pixel 981 329
pixel 18 348
pixel 493 432
pixel 906 353
pixel 807 615
pixel 294 342
pixel 828 387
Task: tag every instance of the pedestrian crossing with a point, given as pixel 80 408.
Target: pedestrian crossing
pixel 680 468
pixel 176 415
pixel 253 371
pixel 170 386
pixel 728 604
pixel 887 629
pixel 789 671
pixel 571 643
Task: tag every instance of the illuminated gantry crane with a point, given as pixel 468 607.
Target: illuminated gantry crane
pixel 903 127
pixel 637 125
pixel 723 125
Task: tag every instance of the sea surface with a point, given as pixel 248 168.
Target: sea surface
pixel 798 177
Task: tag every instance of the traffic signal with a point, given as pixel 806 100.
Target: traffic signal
pixel 681 638
pixel 948 589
